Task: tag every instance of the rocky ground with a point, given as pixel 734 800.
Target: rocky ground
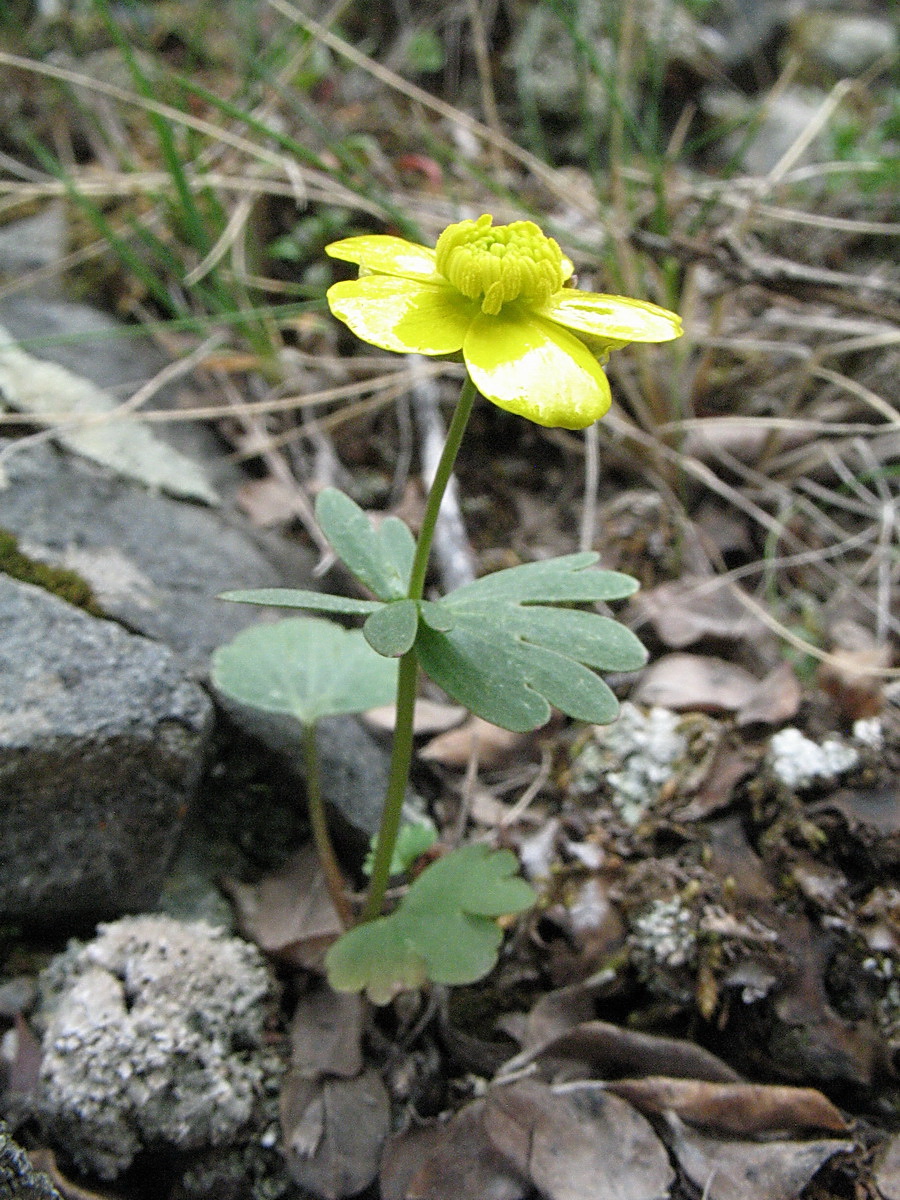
pixel 706 1001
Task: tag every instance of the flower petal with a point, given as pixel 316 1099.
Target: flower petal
pixel 402 314
pixel 532 367
pixel 613 318
pixel 386 256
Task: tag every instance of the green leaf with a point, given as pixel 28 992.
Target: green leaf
pixel 305 667
pixel 508 657
pixel 380 559
pixel 551 581
pixel 413 839
pixel 436 616
pixel 297 598
pixel 444 928
pixel 392 630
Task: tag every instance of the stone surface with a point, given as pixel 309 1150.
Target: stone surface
pixel 101 748
pixel 354 766
pixel 153 1034
pixel 155 564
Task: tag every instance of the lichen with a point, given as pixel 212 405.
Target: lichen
pixel 153 1036
pixel 798 762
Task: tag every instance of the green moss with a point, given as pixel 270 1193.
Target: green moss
pixel 62 582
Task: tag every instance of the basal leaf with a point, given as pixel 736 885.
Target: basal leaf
pixel 444 929
pixel 511 653
pixel 297 598
pixel 380 559
pixel 376 958
pixel 476 879
pixel 304 667
pixel 392 630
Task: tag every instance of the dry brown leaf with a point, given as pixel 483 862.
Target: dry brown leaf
pixel 742 1170
pixel 289 913
pixel 268 501
pixel 492 745
pixel 577 1148
pixel 326 1033
pixel 334 1131
pixel 775 699
pixel 686 610
pixel 730 765
pixel 600 1050
pixel 887 1171
pixel 455 1160
pixel 429 716
pixel 739 1108
pixel 695 681
pixel 851 675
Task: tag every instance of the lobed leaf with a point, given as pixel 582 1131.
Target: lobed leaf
pixel 510 654
pixel 444 929
pixel 305 667
pixel 382 558
pixel 299 598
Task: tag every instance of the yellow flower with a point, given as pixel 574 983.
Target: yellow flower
pixel 498 294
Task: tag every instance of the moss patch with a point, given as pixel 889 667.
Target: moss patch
pixel 62 582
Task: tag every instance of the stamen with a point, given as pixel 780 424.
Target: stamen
pixel 501 263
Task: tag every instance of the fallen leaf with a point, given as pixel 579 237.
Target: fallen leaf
pixel 268 501
pixel 334 1131
pixel 774 700
pixel 44 390
pixel 601 1050
pixel 289 913
pixel 742 1170
pixel 326 1033
pixel 739 1108
pixel 429 716
pixel 692 681
pixel 577 1147
pixel 887 1171
pixel 491 745
pixel 455 1160
pixel 686 610
pixel 730 765
pixel 851 676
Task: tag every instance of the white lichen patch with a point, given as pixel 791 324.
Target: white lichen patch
pixel 152 1035
pixel 665 932
pixel 869 731
pixel 635 757
pixel 798 762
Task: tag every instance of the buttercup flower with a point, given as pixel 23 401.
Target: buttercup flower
pixel 498 294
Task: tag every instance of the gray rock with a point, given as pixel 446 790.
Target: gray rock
pixel 116 358
pixel 155 564
pixel 153 1034
pixel 354 766
pixel 842 44
pixel 785 117
pixel 35 243
pixel 18 1179
pixel 101 748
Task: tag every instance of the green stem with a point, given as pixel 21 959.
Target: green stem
pixel 439 486
pixel 401 753
pixel 334 880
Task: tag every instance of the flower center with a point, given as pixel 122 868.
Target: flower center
pixel 501 263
